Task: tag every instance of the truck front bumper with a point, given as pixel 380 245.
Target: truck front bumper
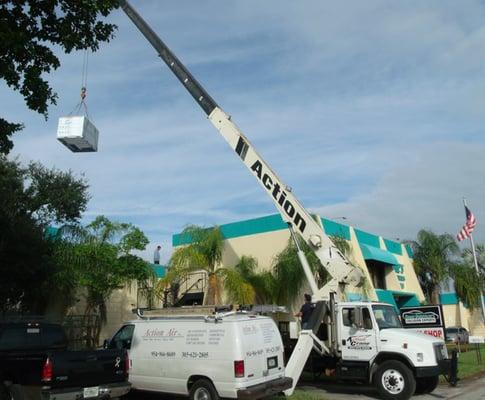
pixel 106 391
pixel 443 368
pixel 265 389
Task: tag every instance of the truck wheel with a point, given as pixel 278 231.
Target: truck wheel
pixel 394 380
pixel 426 385
pixel 203 389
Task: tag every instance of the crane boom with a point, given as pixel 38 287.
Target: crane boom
pixel 292 212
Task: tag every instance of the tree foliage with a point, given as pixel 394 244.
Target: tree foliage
pixel 202 253
pixel 31 198
pixel 101 255
pixel 237 281
pixel 433 257
pixel 438 258
pixel 480 253
pixel 468 284
pixel 30 30
pixel 283 282
pixel 242 283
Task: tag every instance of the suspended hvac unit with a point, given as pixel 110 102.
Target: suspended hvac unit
pixel 78 134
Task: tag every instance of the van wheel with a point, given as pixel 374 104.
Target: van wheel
pixel 426 385
pixel 203 389
pixel 394 380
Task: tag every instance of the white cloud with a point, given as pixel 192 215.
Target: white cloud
pixel 373 111
pixel 424 194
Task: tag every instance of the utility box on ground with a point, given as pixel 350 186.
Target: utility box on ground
pixel 78 134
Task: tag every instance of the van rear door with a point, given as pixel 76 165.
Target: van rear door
pixel 262 349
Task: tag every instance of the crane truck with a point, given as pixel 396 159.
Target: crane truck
pixel 356 341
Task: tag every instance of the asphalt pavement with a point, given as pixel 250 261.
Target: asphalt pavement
pixel 471 389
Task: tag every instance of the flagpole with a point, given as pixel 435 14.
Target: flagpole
pixel 475 261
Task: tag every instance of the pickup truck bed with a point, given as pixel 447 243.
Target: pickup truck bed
pixel 35 363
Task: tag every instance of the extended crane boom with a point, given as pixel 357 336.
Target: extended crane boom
pixel 293 213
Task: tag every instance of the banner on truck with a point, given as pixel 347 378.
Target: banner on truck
pixel 424 319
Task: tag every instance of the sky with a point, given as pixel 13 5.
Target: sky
pixel 372 111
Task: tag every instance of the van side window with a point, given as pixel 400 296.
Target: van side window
pixel 366 318
pixel 122 339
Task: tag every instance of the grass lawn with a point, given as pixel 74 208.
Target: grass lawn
pixel 467 361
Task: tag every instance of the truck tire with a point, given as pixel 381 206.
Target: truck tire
pixel 427 384
pixel 394 380
pixel 203 389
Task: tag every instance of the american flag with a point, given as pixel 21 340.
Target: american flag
pixel 467 229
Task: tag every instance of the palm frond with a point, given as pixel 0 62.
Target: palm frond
pixel 238 290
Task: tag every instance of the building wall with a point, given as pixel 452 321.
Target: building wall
pixel 457 314
pixel 263 238
pixel 119 309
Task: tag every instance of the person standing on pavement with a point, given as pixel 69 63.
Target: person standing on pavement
pixel 306 311
pixel 156 255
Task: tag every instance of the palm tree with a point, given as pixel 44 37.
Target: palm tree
pixel 241 281
pixel 480 253
pixel 259 285
pixel 433 258
pixel 468 285
pixel 203 253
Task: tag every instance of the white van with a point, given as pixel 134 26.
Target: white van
pixel 236 355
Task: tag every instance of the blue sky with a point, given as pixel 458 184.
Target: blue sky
pixel 369 110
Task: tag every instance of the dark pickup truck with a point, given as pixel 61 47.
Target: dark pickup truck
pixel 35 364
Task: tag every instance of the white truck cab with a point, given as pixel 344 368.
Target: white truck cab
pixel 371 346
pixel 230 356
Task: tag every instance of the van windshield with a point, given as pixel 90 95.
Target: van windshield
pixel 386 317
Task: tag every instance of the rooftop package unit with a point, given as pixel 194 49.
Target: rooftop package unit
pixel 78 134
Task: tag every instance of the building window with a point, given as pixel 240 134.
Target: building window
pixel 377 271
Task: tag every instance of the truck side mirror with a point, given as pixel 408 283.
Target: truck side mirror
pixel 105 343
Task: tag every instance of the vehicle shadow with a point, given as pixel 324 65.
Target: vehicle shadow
pixel 339 387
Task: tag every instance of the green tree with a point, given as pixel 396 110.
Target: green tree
pixel 480 253
pixel 32 198
pixel 288 272
pixel 434 255
pixel 30 30
pixel 202 253
pixel 101 253
pixel 243 283
pixel 468 284
pixel 282 283
pixel 239 282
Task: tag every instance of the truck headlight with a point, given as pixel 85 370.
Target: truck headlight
pixel 420 357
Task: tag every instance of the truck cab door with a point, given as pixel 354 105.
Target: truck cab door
pixel 357 337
